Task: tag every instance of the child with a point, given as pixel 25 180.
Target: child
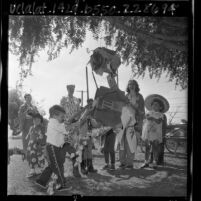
pixel 152 128
pixel 86 140
pixel 56 137
pixel 108 142
pixel 162 145
pixel 36 137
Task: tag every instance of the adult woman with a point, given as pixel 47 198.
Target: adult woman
pixel 132 119
pixel 137 102
pixel 25 119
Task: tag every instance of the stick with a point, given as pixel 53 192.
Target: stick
pixel 87 83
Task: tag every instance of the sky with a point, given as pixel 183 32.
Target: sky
pixel 49 80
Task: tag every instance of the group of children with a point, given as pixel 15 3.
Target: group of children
pixel 48 149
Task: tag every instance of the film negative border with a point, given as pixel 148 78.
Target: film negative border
pixel 99 8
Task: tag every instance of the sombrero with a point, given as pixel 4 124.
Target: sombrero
pixel 149 100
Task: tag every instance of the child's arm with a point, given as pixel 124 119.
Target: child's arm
pixel 158 121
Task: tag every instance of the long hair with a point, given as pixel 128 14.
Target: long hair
pixel 137 89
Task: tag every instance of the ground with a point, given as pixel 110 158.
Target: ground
pixel 167 180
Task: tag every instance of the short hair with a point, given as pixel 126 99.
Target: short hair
pixel 38 116
pixel 25 95
pixel 56 110
pixel 137 89
pixel 159 102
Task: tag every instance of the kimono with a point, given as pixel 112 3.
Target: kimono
pixel 26 122
pixel 71 107
pixel 35 155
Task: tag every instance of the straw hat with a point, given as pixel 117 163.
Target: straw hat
pixel 155 97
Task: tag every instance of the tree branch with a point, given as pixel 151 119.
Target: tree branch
pixel 178 24
pixel 149 38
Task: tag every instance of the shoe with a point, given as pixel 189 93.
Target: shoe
pixel 65 187
pixel 31 174
pixel 50 191
pixel 112 167
pixel 37 182
pixel 145 165
pixel 122 166
pixel 58 186
pixel 106 167
pixel 92 170
pixel 153 165
pixel 129 166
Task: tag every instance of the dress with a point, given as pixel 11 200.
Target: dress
pixel 35 155
pixel 152 128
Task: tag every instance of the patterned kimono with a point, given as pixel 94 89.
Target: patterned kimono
pixel 26 122
pixel 71 107
pixel 35 155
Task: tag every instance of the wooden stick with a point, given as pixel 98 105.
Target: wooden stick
pixel 87 83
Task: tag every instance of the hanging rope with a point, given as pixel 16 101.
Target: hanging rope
pixel 94 79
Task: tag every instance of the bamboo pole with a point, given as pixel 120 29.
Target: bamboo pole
pixel 117 78
pixel 95 80
pixel 87 82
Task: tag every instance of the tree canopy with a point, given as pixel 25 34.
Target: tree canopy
pixel 156 44
pixel 15 100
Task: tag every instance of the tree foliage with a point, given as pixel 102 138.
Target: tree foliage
pixel 153 43
pixel 15 100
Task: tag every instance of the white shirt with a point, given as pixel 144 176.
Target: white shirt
pixel 55 133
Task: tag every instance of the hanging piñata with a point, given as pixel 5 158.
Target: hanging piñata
pixel 105 60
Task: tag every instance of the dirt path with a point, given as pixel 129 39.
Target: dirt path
pixel 169 180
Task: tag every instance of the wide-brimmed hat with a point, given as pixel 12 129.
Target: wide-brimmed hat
pixel 37 115
pixel 155 97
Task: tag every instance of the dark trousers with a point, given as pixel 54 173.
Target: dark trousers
pixel 151 151
pixel 70 149
pixel 55 156
pixel 67 148
pixel 109 143
pixel 161 153
pixel 110 154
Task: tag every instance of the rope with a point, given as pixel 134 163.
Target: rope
pixel 94 79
